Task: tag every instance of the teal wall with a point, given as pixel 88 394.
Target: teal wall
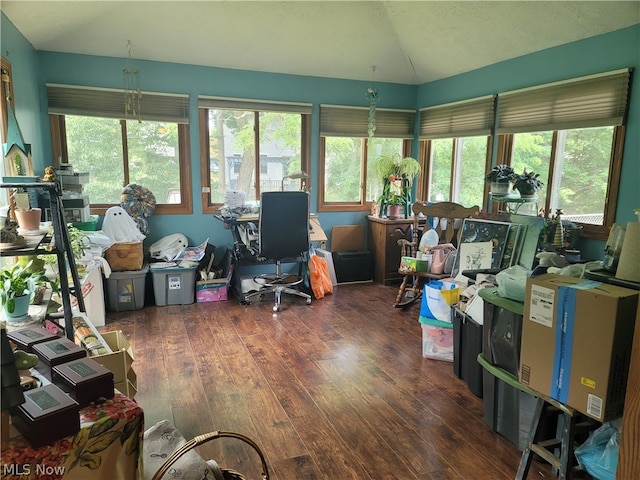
pixel 32 70
pixel 26 80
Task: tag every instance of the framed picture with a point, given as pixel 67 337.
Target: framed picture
pixel 474 230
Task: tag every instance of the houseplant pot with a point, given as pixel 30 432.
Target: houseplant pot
pixel 17 285
pixel 28 219
pixel 397 176
pixel 500 178
pixel 526 183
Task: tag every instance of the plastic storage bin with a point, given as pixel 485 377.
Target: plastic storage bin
pixel 125 290
pixel 174 286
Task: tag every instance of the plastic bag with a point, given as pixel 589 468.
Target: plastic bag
pixel 598 455
pixel 512 282
pixel 321 284
pixel 437 298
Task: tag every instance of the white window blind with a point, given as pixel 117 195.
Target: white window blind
pixel 224 103
pixel 593 101
pixel 110 103
pixel 468 118
pixel 341 121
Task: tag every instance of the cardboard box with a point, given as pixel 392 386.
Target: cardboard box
pixel 576 342
pixel 412 264
pixel 214 290
pixel 346 238
pixel 119 362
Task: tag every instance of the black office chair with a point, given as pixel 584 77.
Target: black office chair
pixel 283 234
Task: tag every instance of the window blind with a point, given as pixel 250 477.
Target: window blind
pixel 110 103
pixel 593 101
pixel 225 103
pixel 342 121
pixel 467 118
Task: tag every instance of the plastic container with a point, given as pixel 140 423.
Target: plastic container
pixel 89 226
pixel 174 286
pixel 125 290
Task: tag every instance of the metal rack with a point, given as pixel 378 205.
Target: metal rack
pixel 61 246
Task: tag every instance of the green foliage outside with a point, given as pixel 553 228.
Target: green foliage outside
pixel 95 146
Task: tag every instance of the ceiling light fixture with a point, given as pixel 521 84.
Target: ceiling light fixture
pixel 372 97
pixel 132 93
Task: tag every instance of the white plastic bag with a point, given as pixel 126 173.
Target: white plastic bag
pixel 512 282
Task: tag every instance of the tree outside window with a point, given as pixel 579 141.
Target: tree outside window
pixel 252 151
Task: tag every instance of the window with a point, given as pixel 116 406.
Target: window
pixel 348 180
pixel 251 146
pixel 576 168
pixel 455 150
pixel 571 133
pixel 89 133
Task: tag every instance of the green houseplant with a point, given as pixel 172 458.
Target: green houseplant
pixel 499 177
pixel 397 174
pixel 19 283
pixel 527 183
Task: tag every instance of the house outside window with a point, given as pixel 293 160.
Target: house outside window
pixel 251 146
pixel 348 181
pixel 89 133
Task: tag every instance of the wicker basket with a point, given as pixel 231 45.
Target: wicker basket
pixel 125 256
pixel 227 474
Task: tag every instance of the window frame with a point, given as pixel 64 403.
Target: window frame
pixel 424 190
pixel 59 149
pixel 363 204
pixel 205 153
pixel 596 232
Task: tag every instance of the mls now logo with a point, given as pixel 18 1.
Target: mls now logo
pixel 25 469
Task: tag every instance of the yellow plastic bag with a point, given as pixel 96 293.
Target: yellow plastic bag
pixel 319 276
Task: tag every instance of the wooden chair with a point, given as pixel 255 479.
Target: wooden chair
pixel 446 219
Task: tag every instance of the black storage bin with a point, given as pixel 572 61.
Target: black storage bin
pixel 353 266
pixel 505 336
pixel 467 344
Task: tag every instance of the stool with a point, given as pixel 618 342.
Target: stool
pixel 570 424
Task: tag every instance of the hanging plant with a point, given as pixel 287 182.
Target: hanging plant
pixel 393 167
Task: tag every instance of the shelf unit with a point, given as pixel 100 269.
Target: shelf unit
pixel 60 245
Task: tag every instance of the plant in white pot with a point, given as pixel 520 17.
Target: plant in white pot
pixel 527 183
pixel 18 284
pixel 499 176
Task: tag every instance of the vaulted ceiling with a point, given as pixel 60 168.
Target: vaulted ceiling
pixel 409 42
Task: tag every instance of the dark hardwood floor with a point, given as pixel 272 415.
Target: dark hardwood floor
pixel 335 390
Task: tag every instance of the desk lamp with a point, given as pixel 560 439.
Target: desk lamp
pixel 294 176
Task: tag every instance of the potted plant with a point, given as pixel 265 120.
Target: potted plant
pixel 499 177
pixel 19 283
pixel 527 183
pixel 397 176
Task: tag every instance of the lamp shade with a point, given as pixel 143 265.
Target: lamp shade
pixel 629 264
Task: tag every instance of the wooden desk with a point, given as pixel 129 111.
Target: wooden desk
pixel 108 446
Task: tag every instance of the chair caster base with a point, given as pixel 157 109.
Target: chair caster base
pixel 308 301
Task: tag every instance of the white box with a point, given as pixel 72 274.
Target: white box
pixel 93 296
